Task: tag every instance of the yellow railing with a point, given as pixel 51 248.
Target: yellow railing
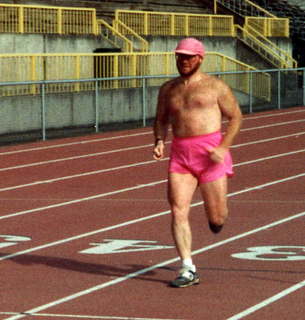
pixel 43 19
pixel 140 43
pixel 269 27
pixel 176 24
pixel 66 20
pixel 266 48
pixel 257 17
pixel 261 82
pixel 37 67
pixel 114 37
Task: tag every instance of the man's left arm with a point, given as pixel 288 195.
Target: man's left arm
pixel 230 109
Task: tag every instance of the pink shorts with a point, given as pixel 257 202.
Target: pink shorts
pixel 190 155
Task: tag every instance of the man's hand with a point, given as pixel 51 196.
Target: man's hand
pixel 217 154
pixel 158 152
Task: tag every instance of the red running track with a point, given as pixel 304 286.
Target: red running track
pixel 85 230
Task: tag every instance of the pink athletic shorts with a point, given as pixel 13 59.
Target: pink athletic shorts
pixel 190 155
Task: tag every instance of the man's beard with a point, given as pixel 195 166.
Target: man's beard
pixel 189 73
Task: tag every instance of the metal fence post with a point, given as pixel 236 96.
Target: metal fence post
pixel 250 93
pixel 43 111
pixel 97 117
pixel 279 90
pixel 304 87
pixel 144 102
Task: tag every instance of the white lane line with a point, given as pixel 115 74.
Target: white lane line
pixel 97 196
pixel 130 222
pixel 272 125
pixel 73 316
pixel 268 301
pixel 269 157
pixel 96 154
pixel 297 134
pixel 148 269
pixel 81 142
pixel 35 183
pixel 75 157
pixel 269 115
pixel 246 117
pixel 101 195
pixel 127 166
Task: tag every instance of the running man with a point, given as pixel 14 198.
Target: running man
pixel 194 104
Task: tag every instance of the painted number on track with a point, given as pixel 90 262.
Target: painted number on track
pixel 11 240
pixel 273 253
pixel 122 246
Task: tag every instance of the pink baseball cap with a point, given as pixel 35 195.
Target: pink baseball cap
pixel 190 46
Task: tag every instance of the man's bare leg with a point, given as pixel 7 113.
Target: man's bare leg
pixel 180 192
pixel 214 195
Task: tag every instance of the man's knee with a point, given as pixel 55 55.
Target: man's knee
pixel 217 218
pixel 179 213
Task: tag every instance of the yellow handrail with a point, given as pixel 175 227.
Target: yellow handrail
pixel 30 67
pixel 47 19
pixel 282 54
pixel 176 24
pixel 128 32
pixel 257 16
pixel 269 27
pixel 261 87
pixel 113 36
pixel 266 48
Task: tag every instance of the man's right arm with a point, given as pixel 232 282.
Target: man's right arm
pixel 161 124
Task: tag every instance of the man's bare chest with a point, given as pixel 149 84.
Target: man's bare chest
pixel 188 100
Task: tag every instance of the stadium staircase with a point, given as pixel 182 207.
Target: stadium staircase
pixel 252 37
pixel 121 36
pixel 295 11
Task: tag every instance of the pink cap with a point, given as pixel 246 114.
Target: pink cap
pixel 190 46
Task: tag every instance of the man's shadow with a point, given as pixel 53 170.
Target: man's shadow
pixel 90 268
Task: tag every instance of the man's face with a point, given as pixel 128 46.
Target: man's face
pixel 187 64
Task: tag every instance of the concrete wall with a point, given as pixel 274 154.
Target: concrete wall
pixel 23 114
pixel 32 43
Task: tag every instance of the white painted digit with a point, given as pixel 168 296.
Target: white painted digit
pixel 119 246
pixel 273 253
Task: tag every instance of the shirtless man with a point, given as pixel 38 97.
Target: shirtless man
pixel 194 104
